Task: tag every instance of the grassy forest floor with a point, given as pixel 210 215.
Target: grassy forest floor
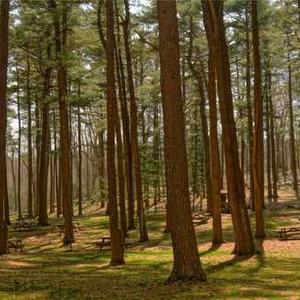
pixel 47 270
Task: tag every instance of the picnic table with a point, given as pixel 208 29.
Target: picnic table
pixel 290 231
pixel 25 224
pixel 200 218
pixel 15 243
pixel 106 241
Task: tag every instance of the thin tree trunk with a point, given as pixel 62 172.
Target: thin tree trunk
pixel 293 158
pixel 4 16
pixel 44 156
pixel 29 145
pixel 258 147
pixel 274 161
pixel 19 144
pixel 61 30
pixel 79 156
pixel 249 109
pixel 134 134
pixel 214 145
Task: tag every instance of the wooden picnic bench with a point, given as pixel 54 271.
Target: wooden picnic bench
pixel 23 225
pixel 106 241
pixel 16 244
pixel 286 232
pixel 199 219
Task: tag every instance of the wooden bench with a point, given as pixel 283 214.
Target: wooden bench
pixel 286 232
pixel 106 241
pixel 15 244
pixel 199 219
pixel 23 225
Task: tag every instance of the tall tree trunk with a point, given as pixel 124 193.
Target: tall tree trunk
pixel 60 26
pixel 249 109
pixel 293 158
pixel 44 156
pixel 126 134
pixel 214 145
pixel 134 133
pixel 186 265
pixel 4 16
pixel 258 147
pixel 38 154
pixel 244 243
pixel 274 162
pixel 268 136
pixel 117 240
pixel 19 144
pixel 29 145
pixel 56 169
pixel 102 184
pixel 79 156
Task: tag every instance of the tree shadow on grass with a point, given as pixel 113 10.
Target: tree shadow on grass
pixel 228 263
pixel 212 249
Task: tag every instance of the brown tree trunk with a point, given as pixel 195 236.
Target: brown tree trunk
pixel 244 243
pixel 274 161
pixel 60 26
pixel 200 85
pixel 186 264
pixel 249 110
pixel 214 145
pixel 258 147
pixel 4 16
pixel 42 178
pixel 126 134
pixel 293 158
pixel 117 240
pixel 29 145
pixel 268 136
pixel 38 155
pixel 19 144
pixel 134 134
pixel 79 155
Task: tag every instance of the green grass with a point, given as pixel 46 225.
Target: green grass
pixel 47 270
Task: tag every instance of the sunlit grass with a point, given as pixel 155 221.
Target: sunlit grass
pixel 47 270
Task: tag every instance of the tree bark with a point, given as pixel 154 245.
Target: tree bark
pixel 117 240
pixel 293 158
pixel 258 143
pixel 134 133
pixel 29 145
pixel 60 27
pixel 244 243
pixel 186 264
pixel 249 109
pixel 214 145
pixel 4 16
